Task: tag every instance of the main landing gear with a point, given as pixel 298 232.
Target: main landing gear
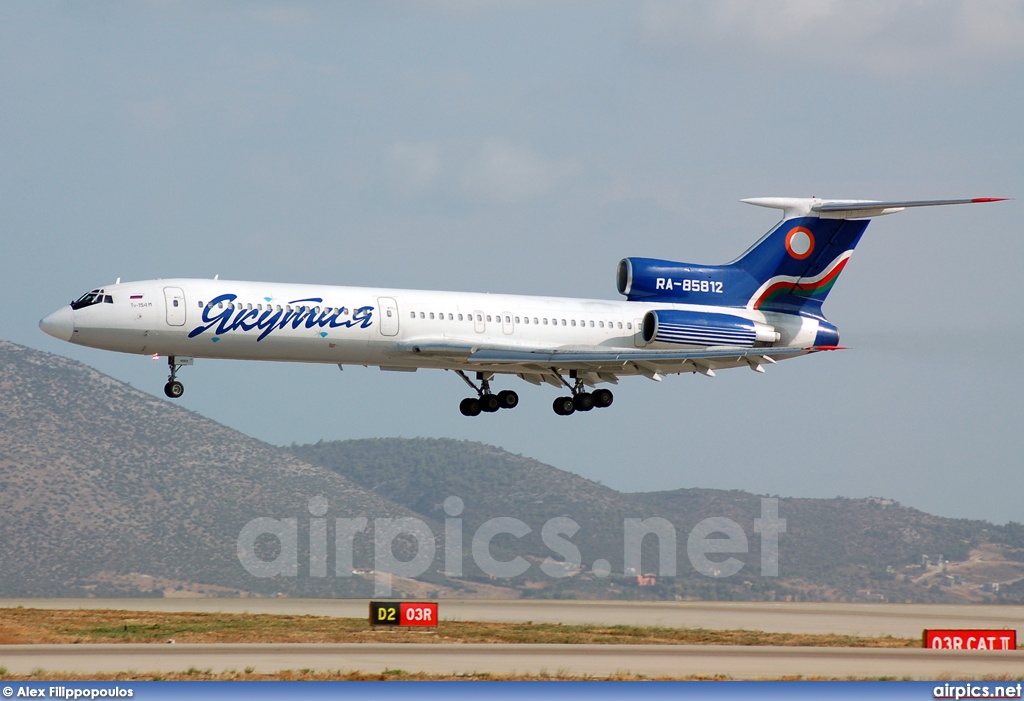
pixel 581 400
pixel 173 388
pixel 485 400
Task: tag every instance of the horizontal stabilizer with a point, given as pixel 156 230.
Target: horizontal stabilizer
pixel 850 209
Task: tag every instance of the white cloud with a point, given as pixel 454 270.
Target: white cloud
pixel 504 172
pixel 474 8
pixel 151 117
pixel 894 37
pixel 293 16
pixel 414 168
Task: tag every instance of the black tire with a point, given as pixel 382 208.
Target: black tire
pixel 584 401
pixel 174 389
pixel 470 407
pixel 563 406
pixel 603 398
pixel 507 399
pixel 489 403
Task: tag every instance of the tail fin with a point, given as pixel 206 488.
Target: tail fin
pixel 791 269
pixel 794 266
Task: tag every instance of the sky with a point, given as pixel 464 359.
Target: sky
pixel 525 147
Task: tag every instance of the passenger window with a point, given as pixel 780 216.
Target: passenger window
pixel 431 315
pixel 479 318
pixel 175 302
pixel 508 319
pixel 389 313
pixel 422 315
pixel 517 319
pixel 535 320
pixel 591 323
pixel 200 305
pixel 563 322
pixel 451 317
pixel 573 322
pixel 412 315
pixel 460 317
pixel 600 324
pixel 545 321
pixel 488 317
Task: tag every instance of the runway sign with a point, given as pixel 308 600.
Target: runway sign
pixel 404 613
pixel 980 639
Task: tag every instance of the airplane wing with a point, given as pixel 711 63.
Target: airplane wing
pixel 597 364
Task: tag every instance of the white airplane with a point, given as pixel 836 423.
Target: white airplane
pixel 676 317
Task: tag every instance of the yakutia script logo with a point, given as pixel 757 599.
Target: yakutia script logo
pixel 270 320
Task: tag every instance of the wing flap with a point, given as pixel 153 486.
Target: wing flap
pixel 568 358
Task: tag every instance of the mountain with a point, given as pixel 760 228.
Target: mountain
pixel 106 490
pixel 100 482
pixel 832 549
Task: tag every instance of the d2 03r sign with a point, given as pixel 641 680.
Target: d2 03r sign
pixel 404 613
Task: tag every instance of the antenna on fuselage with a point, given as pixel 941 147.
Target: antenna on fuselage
pixel 217 276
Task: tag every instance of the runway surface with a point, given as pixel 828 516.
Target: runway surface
pixel 577 660
pixel 900 620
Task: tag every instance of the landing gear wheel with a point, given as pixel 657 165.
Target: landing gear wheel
pixel 470 407
pixel 564 406
pixel 584 401
pixel 489 403
pixel 174 389
pixel 507 399
pixel 603 398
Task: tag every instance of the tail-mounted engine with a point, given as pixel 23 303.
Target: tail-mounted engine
pixel 653 280
pixel 705 329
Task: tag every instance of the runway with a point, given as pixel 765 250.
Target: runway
pixel 900 620
pixel 576 660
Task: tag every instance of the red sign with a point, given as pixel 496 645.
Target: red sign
pixel 980 639
pixel 418 613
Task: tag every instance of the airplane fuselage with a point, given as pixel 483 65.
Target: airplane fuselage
pixel 389 328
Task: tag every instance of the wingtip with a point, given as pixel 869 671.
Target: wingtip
pixel 990 199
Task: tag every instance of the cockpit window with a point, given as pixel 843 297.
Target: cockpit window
pixel 88 299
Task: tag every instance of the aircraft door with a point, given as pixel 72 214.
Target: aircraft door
pixel 638 336
pixel 507 325
pixel 388 316
pixel 174 298
pixel 479 325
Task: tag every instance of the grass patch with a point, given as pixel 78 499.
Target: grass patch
pixel 34 626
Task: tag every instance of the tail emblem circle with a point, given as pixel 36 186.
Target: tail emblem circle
pixel 799 242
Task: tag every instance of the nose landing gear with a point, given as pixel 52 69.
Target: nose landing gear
pixel 485 401
pixel 173 388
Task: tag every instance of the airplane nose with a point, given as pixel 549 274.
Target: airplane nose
pixel 60 324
